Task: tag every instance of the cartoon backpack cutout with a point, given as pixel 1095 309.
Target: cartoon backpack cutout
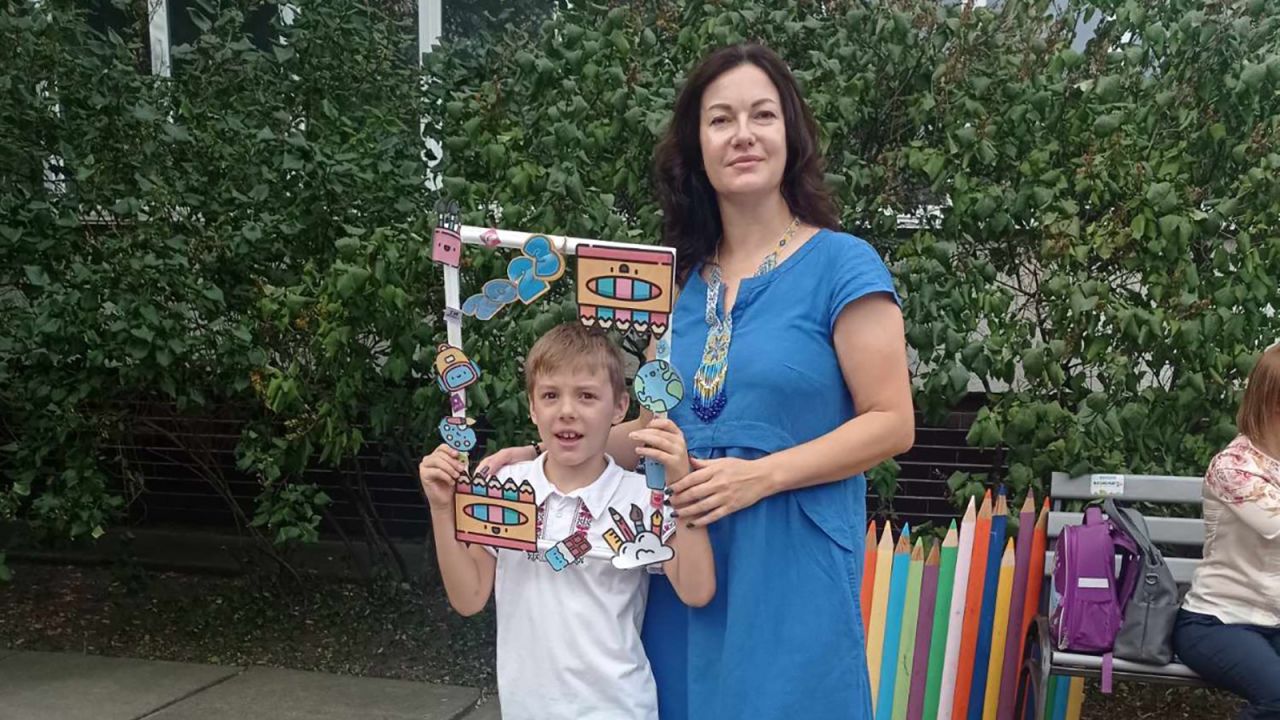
pixel 454 370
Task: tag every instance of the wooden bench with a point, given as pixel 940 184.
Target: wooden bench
pixel 1042 659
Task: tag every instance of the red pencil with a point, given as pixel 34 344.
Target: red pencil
pixel 1035 575
pixel 972 609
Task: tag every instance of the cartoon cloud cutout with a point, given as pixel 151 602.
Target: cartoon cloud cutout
pixel 646 549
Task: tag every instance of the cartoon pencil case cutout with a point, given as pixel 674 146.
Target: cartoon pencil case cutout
pixel 495 514
pixel 567 551
pixel 624 288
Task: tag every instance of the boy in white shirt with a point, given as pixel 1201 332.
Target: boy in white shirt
pixel 569 636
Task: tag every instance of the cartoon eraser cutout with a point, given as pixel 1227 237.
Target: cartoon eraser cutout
pixel 453 370
pixel 627 288
pixel 646 549
pixel 537 267
pixel 658 386
pixel 496 515
pixel 457 433
pixel 446 247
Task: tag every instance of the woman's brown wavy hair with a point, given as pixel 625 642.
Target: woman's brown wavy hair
pixel 691 214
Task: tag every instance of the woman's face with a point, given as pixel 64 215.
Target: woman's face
pixel 743 135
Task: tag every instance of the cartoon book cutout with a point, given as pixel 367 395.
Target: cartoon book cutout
pixel 496 514
pixel 625 288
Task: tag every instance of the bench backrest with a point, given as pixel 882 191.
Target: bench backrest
pixel 1157 489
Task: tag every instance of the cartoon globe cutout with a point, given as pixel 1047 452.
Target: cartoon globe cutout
pixel 658 386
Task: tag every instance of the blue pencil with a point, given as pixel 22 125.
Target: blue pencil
pixel 893 625
pixel 982 654
pixel 1060 693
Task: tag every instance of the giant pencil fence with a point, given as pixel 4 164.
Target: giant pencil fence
pixel 945 622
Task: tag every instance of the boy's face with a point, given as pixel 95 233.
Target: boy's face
pixel 574 410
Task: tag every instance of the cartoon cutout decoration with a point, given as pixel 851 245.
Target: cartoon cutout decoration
pixel 645 550
pixel 659 389
pixel 496 514
pixel 446 247
pixel 454 371
pixel 495 295
pixel 567 551
pixel 658 386
pixel 538 266
pixel 634 545
pixel 457 433
pixel 490 238
pixel 626 288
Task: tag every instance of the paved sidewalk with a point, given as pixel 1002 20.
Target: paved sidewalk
pixel 69 686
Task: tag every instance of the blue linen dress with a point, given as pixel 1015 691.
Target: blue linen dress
pixel 783 637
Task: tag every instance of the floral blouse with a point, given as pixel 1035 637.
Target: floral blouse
pixel 1239 579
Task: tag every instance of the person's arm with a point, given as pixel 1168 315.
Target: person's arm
pixel 1254 500
pixel 691 570
pixel 870 343
pixel 467 570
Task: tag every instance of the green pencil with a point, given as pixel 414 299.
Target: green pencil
pixel 941 618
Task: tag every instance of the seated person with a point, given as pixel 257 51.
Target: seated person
pixel 1228 629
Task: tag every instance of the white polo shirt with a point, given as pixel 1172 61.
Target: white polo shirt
pixel 569 641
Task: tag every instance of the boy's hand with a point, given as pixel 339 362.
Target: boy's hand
pixel 662 440
pixel 438 472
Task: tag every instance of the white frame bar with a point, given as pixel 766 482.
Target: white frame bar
pixel 514 240
pixel 158 29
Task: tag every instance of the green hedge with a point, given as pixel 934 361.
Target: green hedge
pixel 1103 256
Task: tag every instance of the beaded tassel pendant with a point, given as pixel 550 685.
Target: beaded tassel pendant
pixel 708 383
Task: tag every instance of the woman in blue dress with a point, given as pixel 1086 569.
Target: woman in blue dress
pixel 790 340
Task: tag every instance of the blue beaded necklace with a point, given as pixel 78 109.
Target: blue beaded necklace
pixel 708 383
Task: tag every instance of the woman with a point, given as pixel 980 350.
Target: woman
pixel 1228 630
pixel 790 340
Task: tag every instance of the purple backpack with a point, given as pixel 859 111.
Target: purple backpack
pixel 1091 599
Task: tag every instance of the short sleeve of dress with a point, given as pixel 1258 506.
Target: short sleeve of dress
pixel 857 270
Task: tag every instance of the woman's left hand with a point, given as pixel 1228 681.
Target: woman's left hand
pixel 717 488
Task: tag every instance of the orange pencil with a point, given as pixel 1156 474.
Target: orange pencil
pixel 868 575
pixel 1035 576
pixel 973 609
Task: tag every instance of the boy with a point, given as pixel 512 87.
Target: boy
pixel 569 636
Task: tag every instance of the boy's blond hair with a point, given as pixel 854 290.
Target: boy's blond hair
pixel 575 347
pixel 1260 409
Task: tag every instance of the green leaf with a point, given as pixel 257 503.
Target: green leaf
pixel 1253 75
pixel 36 275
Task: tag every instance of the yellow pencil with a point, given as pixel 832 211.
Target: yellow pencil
pixel 879 609
pixel 995 666
pixel 1075 699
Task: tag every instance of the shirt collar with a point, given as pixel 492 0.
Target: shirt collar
pixel 595 496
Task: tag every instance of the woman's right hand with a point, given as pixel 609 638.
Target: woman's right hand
pixel 504 457
pixel 438 473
